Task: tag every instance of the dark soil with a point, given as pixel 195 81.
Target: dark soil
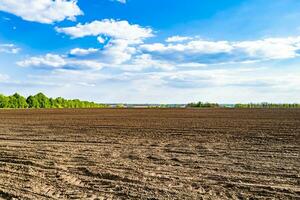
pixel 150 154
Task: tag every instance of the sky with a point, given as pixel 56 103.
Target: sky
pixel 158 51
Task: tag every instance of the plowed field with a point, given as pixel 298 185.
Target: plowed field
pixel 150 154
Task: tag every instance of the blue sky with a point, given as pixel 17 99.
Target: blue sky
pixel 141 51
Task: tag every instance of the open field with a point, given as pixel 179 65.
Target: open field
pixel 150 154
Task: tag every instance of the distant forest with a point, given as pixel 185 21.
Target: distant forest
pixel 250 105
pixel 42 101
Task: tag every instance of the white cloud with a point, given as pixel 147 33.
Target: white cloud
pixel 122 38
pixel 133 33
pixel 178 39
pixel 9 48
pixel 225 51
pixel 196 54
pixel 101 39
pixel 58 62
pixel 270 48
pixel 124 43
pixel 83 52
pixel 197 46
pixel 117 52
pixel 51 60
pixel 145 61
pixel 43 11
pixel 86 64
pixel 192 65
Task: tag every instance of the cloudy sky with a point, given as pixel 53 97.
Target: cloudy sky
pixel 158 51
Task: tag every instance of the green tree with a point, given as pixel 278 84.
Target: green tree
pixel 17 101
pixel 21 101
pixel 43 100
pixel 4 101
pixel 32 102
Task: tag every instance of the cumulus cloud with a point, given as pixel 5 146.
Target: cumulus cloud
pixel 141 62
pixel 121 54
pixel 118 52
pixel 83 52
pixel 114 56
pixel 178 39
pixel 209 52
pixel 270 48
pixel 51 60
pixel 196 54
pixel 43 11
pixel 197 46
pixel 120 38
pixel 85 64
pixel 55 61
pixel 132 33
pixel 146 61
pixel 9 48
pixel 123 46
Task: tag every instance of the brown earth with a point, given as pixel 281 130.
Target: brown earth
pixel 150 154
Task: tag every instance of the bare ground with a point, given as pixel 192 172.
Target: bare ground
pixel 150 154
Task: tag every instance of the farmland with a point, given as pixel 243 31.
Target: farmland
pixel 150 154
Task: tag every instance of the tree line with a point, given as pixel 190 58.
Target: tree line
pixel 267 105
pixel 250 105
pixel 203 105
pixel 42 101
